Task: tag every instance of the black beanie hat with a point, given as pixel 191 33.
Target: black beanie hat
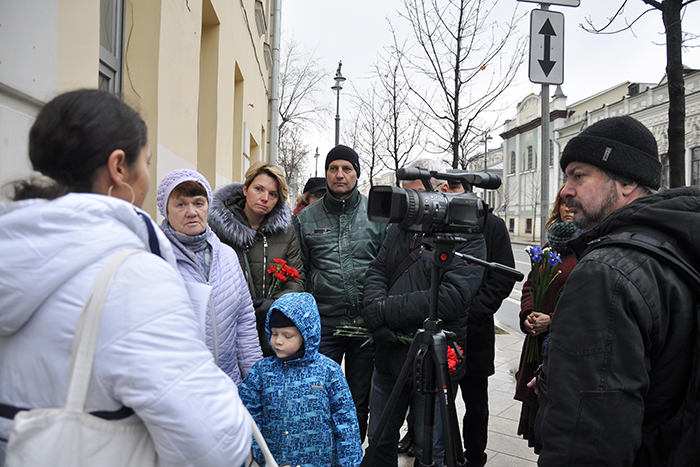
pixel 345 153
pixel 619 145
pixel 280 320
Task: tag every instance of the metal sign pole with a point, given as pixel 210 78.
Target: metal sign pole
pixel 544 153
pixel 546 66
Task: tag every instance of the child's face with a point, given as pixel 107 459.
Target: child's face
pixel 285 341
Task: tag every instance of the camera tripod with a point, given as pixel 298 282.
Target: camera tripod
pixel 427 360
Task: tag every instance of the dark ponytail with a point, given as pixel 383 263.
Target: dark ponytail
pixel 73 136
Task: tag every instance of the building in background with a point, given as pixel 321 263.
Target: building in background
pixel 494 165
pixel 387 177
pixel 198 71
pixel 521 135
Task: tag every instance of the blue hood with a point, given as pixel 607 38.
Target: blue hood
pixel 302 310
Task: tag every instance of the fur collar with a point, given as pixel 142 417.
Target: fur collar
pixel 231 225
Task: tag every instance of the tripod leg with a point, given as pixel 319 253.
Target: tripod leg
pixel 448 410
pixel 412 351
pixel 429 410
pixel 428 423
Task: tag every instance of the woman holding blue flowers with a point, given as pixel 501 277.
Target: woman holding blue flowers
pixel 551 267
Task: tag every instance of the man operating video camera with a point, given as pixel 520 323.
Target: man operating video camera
pixel 396 302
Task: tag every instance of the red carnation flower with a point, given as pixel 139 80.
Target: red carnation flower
pixel 281 272
pixel 280 277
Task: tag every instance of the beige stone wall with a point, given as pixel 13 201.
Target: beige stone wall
pixel 195 70
pixel 205 85
pixel 77 44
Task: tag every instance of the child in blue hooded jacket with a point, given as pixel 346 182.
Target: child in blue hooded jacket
pixel 298 397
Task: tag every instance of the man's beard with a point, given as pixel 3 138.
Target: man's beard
pixel 585 219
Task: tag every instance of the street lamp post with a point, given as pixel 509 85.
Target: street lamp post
pixel 337 87
pixel 486 140
pixel 316 156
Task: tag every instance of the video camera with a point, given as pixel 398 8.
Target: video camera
pixel 430 211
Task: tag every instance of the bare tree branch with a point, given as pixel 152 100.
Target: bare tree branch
pixel 619 13
pixel 300 75
pixel 461 49
pixel 389 125
pixel 292 154
pixel 363 132
pixel 676 40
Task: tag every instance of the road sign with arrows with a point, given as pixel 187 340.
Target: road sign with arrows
pixel 546 47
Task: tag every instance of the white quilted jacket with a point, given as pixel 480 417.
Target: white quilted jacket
pixel 150 355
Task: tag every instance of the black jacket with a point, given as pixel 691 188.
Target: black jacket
pixel 480 337
pixel 621 341
pixel 408 301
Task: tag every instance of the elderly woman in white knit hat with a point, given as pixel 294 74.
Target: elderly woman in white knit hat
pixel 183 198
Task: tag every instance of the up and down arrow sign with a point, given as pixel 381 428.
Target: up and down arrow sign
pixel 546 47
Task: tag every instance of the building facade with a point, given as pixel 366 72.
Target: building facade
pixel 522 138
pixel 198 71
pixel 493 163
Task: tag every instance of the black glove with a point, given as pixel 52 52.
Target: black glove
pixel 262 305
pixel 384 336
pixel 373 315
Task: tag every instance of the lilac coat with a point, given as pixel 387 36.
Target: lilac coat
pixel 237 336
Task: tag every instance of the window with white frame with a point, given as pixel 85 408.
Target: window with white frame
pixel 665 171
pixel 512 162
pixel 260 17
pixel 551 153
pixel 695 167
pixel 529 161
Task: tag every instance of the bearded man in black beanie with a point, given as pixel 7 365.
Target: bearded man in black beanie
pixel 620 353
pixel 337 243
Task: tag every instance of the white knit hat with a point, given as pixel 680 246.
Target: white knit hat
pixel 172 180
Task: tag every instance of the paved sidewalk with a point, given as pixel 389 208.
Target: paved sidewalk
pixel 505 448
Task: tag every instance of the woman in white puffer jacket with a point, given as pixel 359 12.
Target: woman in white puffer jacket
pixel 55 238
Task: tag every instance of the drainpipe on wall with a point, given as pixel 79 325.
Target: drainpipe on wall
pixel 274 99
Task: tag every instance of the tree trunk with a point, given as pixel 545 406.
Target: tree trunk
pixel 676 92
pixel 456 130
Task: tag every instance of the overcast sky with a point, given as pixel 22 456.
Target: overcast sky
pixel 357 31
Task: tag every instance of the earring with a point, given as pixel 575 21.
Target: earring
pixel 133 195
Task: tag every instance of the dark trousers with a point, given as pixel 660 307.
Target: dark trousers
pixel 386 454
pixel 475 394
pixel 359 364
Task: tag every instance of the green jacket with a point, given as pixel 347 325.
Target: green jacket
pixel 337 243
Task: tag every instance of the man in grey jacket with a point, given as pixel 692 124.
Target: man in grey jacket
pixel 620 351
pixel 337 243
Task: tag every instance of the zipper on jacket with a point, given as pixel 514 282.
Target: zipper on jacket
pixel 248 273
pixel 264 268
pixel 214 331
